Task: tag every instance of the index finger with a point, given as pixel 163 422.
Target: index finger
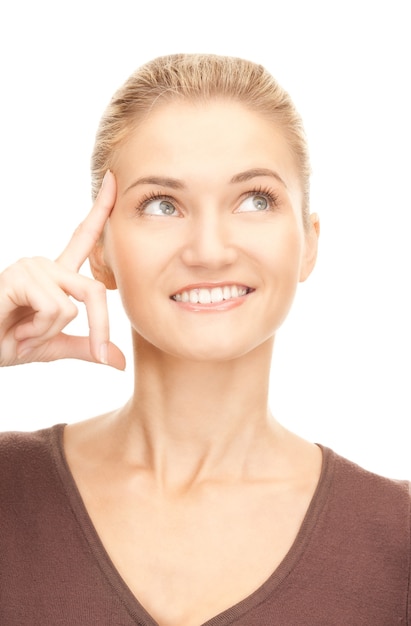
pixel 89 231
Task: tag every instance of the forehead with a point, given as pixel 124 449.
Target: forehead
pixel 217 138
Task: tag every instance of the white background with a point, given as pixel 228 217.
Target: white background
pixel 341 370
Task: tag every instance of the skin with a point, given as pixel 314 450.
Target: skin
pixel 194 465
pixel 34 307
pixel 214 236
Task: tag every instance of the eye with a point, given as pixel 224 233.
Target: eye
pixel 257 202
pixel 158 206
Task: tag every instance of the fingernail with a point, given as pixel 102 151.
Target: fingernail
pixel 104 353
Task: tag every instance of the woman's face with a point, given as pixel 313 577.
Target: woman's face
pixel 206 240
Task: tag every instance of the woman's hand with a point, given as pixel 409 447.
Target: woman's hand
pixel 35 305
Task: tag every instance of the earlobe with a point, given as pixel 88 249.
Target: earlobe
pixel 311 247
pixel 99 268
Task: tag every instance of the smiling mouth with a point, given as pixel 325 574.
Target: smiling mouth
pixel 213 295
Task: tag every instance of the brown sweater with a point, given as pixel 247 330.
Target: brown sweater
pixel 349 566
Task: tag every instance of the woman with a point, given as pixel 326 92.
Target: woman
pixel 191 504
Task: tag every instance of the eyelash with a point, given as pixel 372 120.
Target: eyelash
pixel 273 199
pixel 149 197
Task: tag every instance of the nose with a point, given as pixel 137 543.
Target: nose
pixel 209 241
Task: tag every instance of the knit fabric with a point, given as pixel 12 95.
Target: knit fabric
pixel 349 565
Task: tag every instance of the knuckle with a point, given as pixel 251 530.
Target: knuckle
pixel 24 266
pixel 40 260
pixel 53 310
pixel 71 311
pixel 32 261
pixel 85 229
pixel 78 231
pixel 16 267
pixel 94 290
pixel 99 288
pixel 68 312
pixel 15 274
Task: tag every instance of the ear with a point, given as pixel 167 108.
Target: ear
pixel 311 247
pixel 99 268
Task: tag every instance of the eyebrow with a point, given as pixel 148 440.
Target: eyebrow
pixel 161 181
pixel 175 183
pixel 255 173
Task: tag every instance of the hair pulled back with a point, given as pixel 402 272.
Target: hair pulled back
pixel 198 77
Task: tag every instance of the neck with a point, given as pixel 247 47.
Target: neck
pixel 211 417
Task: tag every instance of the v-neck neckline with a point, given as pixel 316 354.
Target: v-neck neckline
pixel 115 580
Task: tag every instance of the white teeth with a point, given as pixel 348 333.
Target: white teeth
pixel 213 295
pixel 204 296
pixel 217 294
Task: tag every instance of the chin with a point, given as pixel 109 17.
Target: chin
pixel 211 351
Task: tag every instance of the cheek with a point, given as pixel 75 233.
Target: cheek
pixel 128 251
pixel 127 256
pixel 139 261
pixel 280 251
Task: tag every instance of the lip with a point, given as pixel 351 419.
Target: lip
pixel 228 303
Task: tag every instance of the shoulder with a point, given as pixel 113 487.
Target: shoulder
pixel 15 445
pixel 370 490
pixel 368 509
pixel 25 457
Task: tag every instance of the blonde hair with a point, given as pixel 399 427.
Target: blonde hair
pixel 198 77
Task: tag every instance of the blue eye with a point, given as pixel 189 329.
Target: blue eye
pixel 159 206
pixel 255 202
